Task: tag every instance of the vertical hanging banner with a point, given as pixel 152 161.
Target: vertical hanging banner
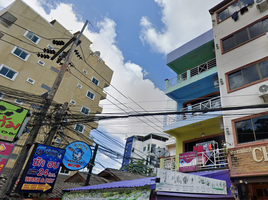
pixel 41 171
pixel 11 119
pixel 5 151
pixel 77 156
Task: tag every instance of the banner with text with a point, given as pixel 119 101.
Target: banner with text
pixel 171 181
pixel 5 151
pixel 41 170
pixel 188 161
pixel 11 119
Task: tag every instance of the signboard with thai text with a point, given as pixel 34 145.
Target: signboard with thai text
pixel 188 161
pixel 77 156
pixel 11 119
pixel 5 151
pixel 171 181
pixel 42 169
pixel 248 161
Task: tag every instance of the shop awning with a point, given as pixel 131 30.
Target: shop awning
pixel 185 196
pixel 150 181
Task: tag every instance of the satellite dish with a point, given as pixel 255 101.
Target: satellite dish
pixel 97 53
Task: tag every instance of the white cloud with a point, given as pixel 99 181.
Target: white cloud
pixel 183 21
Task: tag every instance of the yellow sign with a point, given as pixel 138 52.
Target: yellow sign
pixel 43 187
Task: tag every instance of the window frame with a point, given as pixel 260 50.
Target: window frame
pixel 17 102
pixel 30 81
pixel 240 69
pixel 95 79
pixel 15 75
pixel 28 31
pixel 77 130
pixel 61 168
pixel 251 117
pixel 15 48
pixel 2 94
pixel 91 93
pixel 225 7
pixel 72 102
pixel 85 108
pixel 40 63
pixel 232 35
pixel 79 85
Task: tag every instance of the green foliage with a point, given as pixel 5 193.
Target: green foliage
pixel 138 167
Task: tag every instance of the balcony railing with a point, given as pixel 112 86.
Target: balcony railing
pixel 193 72
pixel 204 105
pixel 206 160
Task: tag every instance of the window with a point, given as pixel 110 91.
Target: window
pixel 148 147
pixel 95 81
pixel 50 47
pixel 18 101
pixel 20 53
pixel 85 71
pixel 90 95
pixel 1 35
pixel 54 69
pixel 7 19
pixel 45 87
pixel 244 35
pixel 40 62
pixel 29 80
pixel 100 60
pixel 31 36
pixel 144 148
pixel 85 110
pixel 236 6
pixel 72 102
pixel 248 75
pixel 153 148
pixel 252 129
pixel 2 94
pixel 64 171
pixel 79 128
pixel 79 86
pixel 8 72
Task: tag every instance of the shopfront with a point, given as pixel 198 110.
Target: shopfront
pixel 249 171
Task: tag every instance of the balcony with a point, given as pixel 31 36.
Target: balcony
pixel 204 105
pixel 214 159
pixel 191 73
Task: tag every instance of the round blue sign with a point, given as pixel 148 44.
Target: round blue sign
pixel 77 156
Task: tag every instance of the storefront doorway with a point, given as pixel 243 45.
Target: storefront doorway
pixel 258 191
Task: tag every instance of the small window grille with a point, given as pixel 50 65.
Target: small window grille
pixel 40 62
pixel 18 101
pixel 73 102
pixel 29 80
pixel 79 86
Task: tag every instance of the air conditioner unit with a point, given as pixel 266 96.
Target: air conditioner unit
pixel 263 92
pixel 261 4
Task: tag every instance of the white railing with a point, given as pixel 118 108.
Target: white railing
pixel 206 160
pixel 195 71
pixel 204 105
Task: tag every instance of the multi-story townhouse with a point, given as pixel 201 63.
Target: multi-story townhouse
pixel 23 34
pixel 240 36
pixel 195 90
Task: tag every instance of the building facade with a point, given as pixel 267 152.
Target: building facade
pixel 195 90
pixel 240 37
pixel 23 36
pixel 146 148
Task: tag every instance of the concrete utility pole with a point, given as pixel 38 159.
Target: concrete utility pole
pixel 91 163
pixel 54 129
pixel 11 178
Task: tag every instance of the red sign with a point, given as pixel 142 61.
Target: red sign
pixel 5 151
pixel 188 161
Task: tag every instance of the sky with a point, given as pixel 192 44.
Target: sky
pixel 134 38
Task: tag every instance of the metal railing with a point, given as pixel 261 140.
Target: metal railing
pixel 193 72
pixel 206 160
pixel 204 105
